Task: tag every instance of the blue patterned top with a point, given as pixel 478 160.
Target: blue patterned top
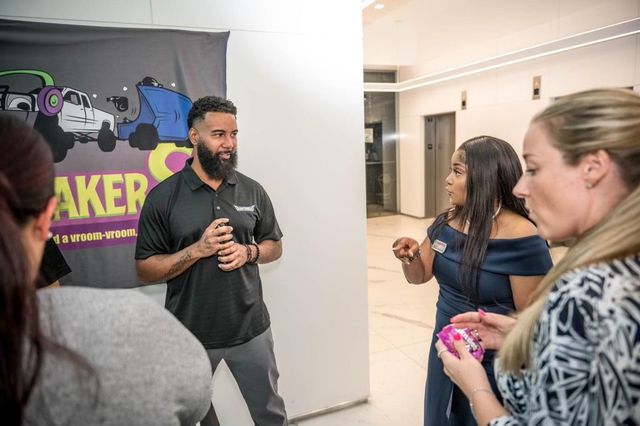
pixel 586 349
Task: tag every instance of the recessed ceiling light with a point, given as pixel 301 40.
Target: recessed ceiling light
pixel 379 6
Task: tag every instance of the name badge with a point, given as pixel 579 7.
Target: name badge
pixel 439 246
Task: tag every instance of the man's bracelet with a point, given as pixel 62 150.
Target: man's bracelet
pixel 248 253
pixel 255 260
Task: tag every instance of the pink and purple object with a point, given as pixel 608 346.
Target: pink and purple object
pixel 468 337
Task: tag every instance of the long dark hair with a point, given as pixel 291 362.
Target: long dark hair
pixel 493 169
pixel 26 186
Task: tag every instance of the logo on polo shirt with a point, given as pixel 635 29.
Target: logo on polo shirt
pixel 250 208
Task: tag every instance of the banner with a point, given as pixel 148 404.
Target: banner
pixel 112 103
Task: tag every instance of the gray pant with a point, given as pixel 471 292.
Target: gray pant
pixel 253 365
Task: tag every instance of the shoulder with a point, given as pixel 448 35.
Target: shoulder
pixel 511 225
pixel 605 297
pixel 253 189
pixel 165 187
pixel 120 316
pixel 115 329
pixel 440 223
pixel 162 197
pixel 605 290
pixel 89 301
pixel 617 285
pixel 617 276
pixel 248 182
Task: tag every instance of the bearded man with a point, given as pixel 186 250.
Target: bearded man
pixel 204 231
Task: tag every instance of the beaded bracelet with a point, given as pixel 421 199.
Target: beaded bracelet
pixel 257 253
pixel 248 253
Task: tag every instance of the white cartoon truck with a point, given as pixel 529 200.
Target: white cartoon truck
pixel 64 114
pixel 87 123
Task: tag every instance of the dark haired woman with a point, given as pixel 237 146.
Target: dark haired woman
pixel 485 254
pixel 80 356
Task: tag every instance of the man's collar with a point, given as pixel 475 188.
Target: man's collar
pixel 194 182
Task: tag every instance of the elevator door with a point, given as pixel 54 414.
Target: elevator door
pixel 439 145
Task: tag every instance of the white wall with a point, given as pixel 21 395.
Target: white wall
pixel 455 33
pixel 295 72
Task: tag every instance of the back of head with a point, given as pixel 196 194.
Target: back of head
pixel 578 124
pixel 209 104
pixel 493 169
pixel 26 186
pixel 26 168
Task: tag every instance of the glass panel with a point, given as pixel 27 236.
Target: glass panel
pixel 380 152
pixel 379 76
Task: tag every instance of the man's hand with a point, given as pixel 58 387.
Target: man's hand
pixel 216 238
pixel 233 257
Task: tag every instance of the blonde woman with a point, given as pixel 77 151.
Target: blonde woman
pixel 573 356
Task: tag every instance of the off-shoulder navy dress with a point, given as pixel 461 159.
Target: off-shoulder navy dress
pixel 444 403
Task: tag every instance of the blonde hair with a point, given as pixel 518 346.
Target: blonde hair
pixel 584 122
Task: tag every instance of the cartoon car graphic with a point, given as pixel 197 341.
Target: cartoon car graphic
pixel 162 117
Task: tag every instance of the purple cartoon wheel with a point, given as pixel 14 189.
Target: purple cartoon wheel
pixel 50 101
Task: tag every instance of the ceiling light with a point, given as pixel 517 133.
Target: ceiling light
pixel 367 3
pixel 379 6
pixel 565 44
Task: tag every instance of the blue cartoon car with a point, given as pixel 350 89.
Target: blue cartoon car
pixel 162 117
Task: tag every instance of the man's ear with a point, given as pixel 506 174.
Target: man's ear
pixel 193 136
pixel 43 221
pixel 595 166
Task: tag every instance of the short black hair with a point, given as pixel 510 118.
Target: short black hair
pixel 209 104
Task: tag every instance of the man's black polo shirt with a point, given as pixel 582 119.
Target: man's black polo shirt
pixel 220 308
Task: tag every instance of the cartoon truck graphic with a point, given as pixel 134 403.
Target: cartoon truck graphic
pixel 162 117
pixel 64 115
pixel 78 120
pixel 87 123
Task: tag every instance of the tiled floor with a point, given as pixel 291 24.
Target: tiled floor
pixel 401 319
pixel 400 325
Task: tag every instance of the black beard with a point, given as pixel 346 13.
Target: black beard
pixel 212 165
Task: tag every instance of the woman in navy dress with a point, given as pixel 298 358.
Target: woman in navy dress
pixel 485 254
